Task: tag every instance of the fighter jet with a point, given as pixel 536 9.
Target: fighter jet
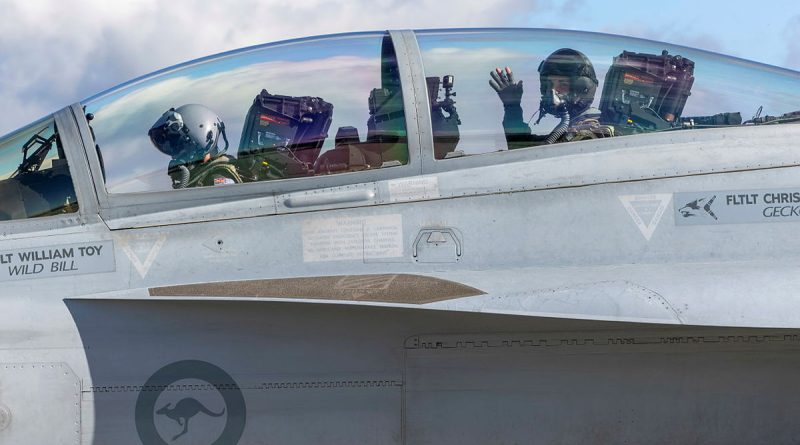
pixel 409 237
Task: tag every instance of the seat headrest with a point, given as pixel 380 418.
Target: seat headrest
pixel 347 135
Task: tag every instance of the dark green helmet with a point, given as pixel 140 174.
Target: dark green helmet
pixel 570 63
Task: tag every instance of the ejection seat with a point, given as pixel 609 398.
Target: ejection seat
pixel 34 194
pixel 349 154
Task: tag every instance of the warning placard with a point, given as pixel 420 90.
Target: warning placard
pixel 336 239
pixel 412 189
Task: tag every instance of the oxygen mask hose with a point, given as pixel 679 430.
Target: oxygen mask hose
pixel 183 180
pixel 179 173
pixel 562 126
pixel 555 104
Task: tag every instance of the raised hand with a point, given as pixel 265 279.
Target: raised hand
pixel 502 81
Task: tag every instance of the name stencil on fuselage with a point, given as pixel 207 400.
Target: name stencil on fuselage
pixel 737 207
pixel 57 261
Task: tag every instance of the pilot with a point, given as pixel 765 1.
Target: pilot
pixel 190 135
pixel 567 85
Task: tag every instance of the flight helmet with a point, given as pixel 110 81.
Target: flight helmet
pixel 576 66
pixel 189 133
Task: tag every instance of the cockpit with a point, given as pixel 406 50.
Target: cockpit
pixel 332 105
pixel 386 105
pixel 35 179
pixel 290 110
pixel 631 86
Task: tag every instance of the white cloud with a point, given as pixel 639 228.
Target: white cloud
pixel 55 53
pixel 792 34
pixel 678 34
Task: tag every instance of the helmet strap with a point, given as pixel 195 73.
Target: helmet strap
pixel 224 137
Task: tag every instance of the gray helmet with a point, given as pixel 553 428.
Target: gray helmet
pixel 583 81
pixel 189 133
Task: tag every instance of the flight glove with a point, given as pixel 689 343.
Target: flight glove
pixel 502 81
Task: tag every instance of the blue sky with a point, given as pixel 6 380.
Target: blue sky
pixel 767 32
pixel 53 53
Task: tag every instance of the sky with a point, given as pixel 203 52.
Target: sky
pixel 54 53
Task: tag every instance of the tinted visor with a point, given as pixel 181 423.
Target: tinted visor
pixel 165 142
pixel 165 134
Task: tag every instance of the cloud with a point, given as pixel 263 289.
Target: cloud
pixel 684 35
pixel 56 53
pixel 570 8
pixel 792 35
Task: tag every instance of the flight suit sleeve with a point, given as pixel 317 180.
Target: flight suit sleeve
pixel 518 133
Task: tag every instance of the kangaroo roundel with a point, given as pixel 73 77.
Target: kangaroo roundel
pixel 167 409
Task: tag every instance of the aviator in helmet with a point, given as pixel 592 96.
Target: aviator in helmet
pixel 189 134
pixel 567 82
